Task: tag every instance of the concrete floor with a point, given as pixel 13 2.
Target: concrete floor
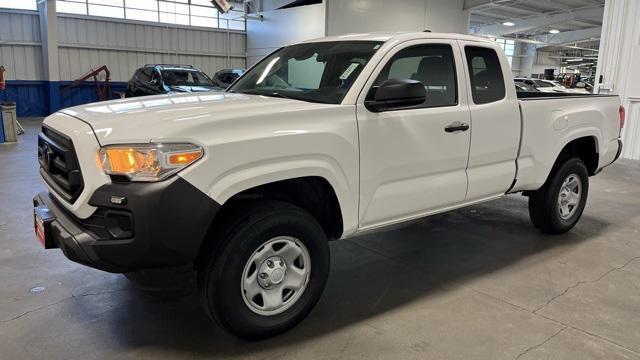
pixel 478 283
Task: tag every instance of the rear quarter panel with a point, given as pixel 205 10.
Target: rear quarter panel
pixel 549 124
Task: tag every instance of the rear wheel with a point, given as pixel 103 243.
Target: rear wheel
pixel 557 206
pixel 268 273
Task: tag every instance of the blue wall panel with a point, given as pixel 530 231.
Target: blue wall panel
pixel 32 97
pixel 86 93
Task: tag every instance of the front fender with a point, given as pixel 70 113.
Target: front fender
pixel 248 176
pixel 317 142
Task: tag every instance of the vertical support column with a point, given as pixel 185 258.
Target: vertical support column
pixel 619 66
pixel 527 61
pixel 49 36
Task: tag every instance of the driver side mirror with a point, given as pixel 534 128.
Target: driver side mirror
pixel 396 94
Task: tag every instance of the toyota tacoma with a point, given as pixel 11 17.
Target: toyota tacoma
pixel 319 141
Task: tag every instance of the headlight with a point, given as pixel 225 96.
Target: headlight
pixel 148 162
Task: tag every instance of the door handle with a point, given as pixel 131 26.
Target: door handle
pixel 456 126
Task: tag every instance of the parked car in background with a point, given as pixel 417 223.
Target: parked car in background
pixel 548 86
pixel 226 77
pixel 585 85
pixel 522 87
pixel 155 79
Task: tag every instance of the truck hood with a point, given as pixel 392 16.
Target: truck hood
pixel 181 116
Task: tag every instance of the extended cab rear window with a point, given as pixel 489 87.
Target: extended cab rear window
pixel 485 74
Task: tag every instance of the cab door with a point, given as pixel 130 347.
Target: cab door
pixel 411 160
pixel 495 121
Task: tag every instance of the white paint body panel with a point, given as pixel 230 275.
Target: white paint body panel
pixel 87 148
pixel 550 124
pixel 408 163
pixel 495 137
pixel 385 168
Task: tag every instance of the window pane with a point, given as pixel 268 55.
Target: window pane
pixel 142 5
pixel 305 74
pixel 204 11
pixel 174 18
pixel 509 50
pixel 106 11
pixel 204 21
pixel 237 25
pixel 337 65
pixel 71 7
pixel 107 2
pixel 144 15
pixel 19 4
pixel 432 65
pixel 206 3
pixel 487 82
pixel 175 8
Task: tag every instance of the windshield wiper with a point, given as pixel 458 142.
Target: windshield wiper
pixel 278 95
pixel 281 95
pixel 273 94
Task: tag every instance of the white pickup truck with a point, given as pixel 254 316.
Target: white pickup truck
pixel 321 140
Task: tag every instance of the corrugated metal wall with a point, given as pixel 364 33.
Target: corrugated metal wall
pixel 86 42
pixel 124 46
pixel 20 46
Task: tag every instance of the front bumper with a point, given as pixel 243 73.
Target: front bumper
pixel 157 225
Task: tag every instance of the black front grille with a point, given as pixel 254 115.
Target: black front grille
pixel 59 164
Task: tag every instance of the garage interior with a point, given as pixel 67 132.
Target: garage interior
pixel 474 283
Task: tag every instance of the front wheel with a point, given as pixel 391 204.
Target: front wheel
pixel 556 207
pixel 268 273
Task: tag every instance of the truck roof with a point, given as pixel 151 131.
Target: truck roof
pixel 403 36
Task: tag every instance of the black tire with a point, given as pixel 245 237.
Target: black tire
pixel 220 279
pixel 544 210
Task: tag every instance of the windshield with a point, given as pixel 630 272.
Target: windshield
pixel 317 72
pixel 185 78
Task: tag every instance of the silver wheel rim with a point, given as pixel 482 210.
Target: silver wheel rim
pixel 275 276
pixel 569 196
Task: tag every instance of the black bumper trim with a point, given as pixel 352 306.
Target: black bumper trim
pixel 619 151
pixel 170 218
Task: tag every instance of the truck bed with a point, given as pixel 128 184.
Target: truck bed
pixel 549 121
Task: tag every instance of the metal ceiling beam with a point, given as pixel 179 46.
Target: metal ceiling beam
pixel 536 22
pixel 570 37
pixel 470 4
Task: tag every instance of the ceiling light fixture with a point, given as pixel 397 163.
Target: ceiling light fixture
pixel 508 23
pixel 554 31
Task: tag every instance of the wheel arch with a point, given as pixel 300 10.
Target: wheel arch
pixel 585 148
pixel 315 194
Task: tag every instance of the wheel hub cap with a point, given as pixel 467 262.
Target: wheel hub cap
pixel 275 275
pixel 272 272
pixel 569 196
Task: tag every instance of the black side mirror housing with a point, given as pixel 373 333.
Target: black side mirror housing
pixel 395 94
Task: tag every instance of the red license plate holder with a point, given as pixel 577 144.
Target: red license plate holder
pixel 42 219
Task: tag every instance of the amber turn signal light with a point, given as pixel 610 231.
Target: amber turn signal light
pixel 184 158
